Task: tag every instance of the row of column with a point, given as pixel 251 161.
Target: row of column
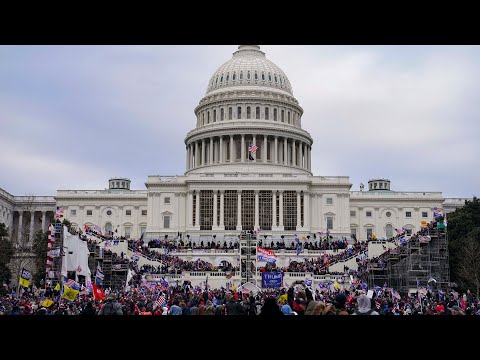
pixel 197 152
pixel 196 193
pixel 32 219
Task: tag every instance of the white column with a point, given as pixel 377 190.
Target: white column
pixel 243 148
pixel 214 226
pixel 294 153
pixel 274 209
pixel 221 150
pixel 222 209
pixel 232 157
pixel 265 148
pixel 255 143
pixel 20 227
pixel 197 209
pixel 285 151
pixel 299 211
pixel 300 149
pixel 197 161
pixel 276 150
pixel 280 223
pixel 189 209
pixel 306 210
pixel 44 218
pixel 257 214
pixel 187 153
pixel 309 158
pixel 32 218
pixel 211 150
pixel 239 209
pixel 203 152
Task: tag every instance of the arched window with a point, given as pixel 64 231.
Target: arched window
pixel 281 80
pixel 228 76
pixel 203 118
pixel 239 112
pixel 275 78
pixel 230 113
pixel 248 75
pixel 269 77
pixel 221 114
pixel 274 114
pixel 389 231
pixel 256 76
pixel 216 80
pixel 263 76
pixel 248 112
pixel 241 75
pixel 266 113
pixel 283 116
pixel 234 76
pixel 214 115
pixel 221 79
pixel 288 117
pixel 208 117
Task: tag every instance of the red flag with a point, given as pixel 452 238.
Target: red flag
pixel 98 293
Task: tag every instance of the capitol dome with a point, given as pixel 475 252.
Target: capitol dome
pixel 249 68
pixel 248 121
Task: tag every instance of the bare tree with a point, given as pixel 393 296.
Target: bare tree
pixel 469 268
pixel 23 256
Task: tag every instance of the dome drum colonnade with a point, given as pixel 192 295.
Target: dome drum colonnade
pixel 249 100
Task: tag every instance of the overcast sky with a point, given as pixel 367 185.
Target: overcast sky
pixel 71 117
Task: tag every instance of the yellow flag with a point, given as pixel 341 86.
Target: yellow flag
pixel 57 287
pixel 69 293
pixel 336 285
pixel 282 299
pixel 46 303
pixel 24 282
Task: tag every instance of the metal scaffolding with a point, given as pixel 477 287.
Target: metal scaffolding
pixel 417 263
pixel 248 258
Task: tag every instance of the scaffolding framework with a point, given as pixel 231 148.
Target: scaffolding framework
pixel 248 258
pixel 115 275
pixel 416 261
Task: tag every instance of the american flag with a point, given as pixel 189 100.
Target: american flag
pixel 59 212
pixel 252 149
pixel 72 284
pixel 160 301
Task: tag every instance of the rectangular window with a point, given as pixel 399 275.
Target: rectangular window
pixel 167 200
pixel 369 214
pixel 128 212
pixel 408 214
pixel 424 214
pixel 353 231
pixel 142 229
pixel 89 212
pixel 128 231
pixel 206 209
pixel 369 233
pixel 144 212
pixel 230 209
pixel 248 210
pixel 329 201
pixel 265 210
pixel 353 213
pixel 409 232
pixel 73 212
pixel 166 222
pixel 302 201
pixel 329 222
pixel 194 209
pixel 290 210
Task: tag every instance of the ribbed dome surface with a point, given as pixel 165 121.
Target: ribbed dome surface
pixel 249 67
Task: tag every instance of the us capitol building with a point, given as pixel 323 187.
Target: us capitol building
pixel 226 189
